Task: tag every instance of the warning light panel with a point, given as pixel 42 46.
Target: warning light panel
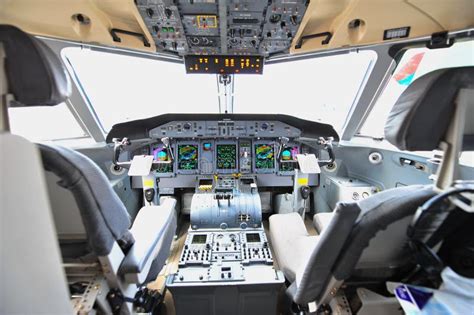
pixel 223 64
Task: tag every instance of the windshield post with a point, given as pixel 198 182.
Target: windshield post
pixel 4 125
pixel 225 93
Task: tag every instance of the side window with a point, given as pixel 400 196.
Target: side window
pixel 415 63
pixel 44 123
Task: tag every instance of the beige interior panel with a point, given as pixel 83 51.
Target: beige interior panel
pixel 54 18
pixel 424 17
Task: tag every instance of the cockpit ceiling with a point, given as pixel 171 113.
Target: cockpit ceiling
pixel 350 22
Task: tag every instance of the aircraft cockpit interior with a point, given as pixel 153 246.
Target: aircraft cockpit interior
pixel 175 157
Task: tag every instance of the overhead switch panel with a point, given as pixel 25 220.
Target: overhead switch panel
pixel 231 27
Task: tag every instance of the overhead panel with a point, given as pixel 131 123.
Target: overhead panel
pixel 188 27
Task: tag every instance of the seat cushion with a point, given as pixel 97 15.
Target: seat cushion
pixel 291 243
pixel 322 220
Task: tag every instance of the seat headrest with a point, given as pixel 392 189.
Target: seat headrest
pixel 420 118
pixel 35 75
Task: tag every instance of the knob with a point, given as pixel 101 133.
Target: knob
pixel 168 13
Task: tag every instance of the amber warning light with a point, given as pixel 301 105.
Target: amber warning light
pixel 224 64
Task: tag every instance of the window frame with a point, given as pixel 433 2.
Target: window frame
pixel 354 120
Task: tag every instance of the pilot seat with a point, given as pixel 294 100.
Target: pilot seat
pixel 367 239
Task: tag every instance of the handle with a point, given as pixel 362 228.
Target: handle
pixel 115 37
pixel 328 36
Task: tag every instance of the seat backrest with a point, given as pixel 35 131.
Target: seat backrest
pixel 103 214
pixel 32 279
pixel 369 234
pixel 312 281
pixel 377 241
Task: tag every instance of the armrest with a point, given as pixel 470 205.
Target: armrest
pixel 151 225
pixel 321 221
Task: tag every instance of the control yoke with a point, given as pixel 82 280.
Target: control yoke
pixel 327 143
pixel 120 144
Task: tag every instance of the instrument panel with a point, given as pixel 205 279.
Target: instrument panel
pixel 225 147
pixel 230 156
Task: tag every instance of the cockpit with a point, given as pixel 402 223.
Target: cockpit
pixel 236 157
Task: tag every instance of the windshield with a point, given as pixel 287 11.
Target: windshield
pixel 120 88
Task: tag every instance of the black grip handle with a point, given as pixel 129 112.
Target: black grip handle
pixel 326 41
pixel 115 37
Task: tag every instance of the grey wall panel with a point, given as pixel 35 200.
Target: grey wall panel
pixel 353 161
pixel 389 173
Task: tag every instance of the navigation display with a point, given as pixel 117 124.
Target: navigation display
pixel 226 156
pixel 188 157
pixel 288 159
pixel 264 156
pixel 161 154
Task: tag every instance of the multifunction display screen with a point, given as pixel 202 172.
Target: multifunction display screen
pixel 288 158
pixel 252 237
pixel 188 157
pixel 160 154
pixel 199 239
pixel 264 156
pixel 226 156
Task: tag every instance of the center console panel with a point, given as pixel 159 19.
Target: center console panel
pixel 226 266
pixel 226 272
